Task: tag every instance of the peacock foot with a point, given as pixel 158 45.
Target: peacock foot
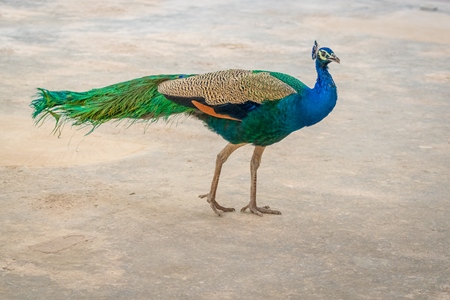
pixel 260 210
pixel 216 206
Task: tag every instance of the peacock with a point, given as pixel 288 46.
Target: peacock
pixel 243 106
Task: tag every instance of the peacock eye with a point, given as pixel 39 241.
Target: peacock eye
pixel 323 54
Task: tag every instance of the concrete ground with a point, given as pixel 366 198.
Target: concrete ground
pixel 365 194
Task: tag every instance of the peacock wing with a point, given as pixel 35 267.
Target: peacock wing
pixel 230 86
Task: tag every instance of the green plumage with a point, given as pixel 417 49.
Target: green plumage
pixel 293 82
pixel 150 98
pixel 257 128
pixel 135 99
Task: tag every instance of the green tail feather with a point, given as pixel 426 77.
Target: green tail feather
pixel 136 99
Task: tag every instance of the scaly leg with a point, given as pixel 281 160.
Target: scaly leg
pixel 221 159
pixel 254 165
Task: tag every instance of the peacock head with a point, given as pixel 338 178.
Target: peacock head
pixel 324 55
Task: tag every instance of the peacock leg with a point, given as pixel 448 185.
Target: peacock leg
pixel 221 159
pixel 254 165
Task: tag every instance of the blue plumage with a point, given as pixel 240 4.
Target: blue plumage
pixel 272 121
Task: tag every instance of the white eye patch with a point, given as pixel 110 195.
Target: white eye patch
pixel 323 55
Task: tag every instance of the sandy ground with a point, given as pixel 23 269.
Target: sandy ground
pixel 115 215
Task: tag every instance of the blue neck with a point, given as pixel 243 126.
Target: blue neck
pixel 313 105
pixel 324 82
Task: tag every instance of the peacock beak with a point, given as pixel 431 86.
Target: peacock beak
pixel 334 58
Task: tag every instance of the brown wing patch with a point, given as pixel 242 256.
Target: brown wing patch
pixel 210 111
pixel 230 86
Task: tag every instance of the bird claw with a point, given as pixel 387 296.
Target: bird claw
pixel 216 206
pixel 205 196
pixel 260 210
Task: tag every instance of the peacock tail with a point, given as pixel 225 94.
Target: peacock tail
pixel 243 106
pixel 136 99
